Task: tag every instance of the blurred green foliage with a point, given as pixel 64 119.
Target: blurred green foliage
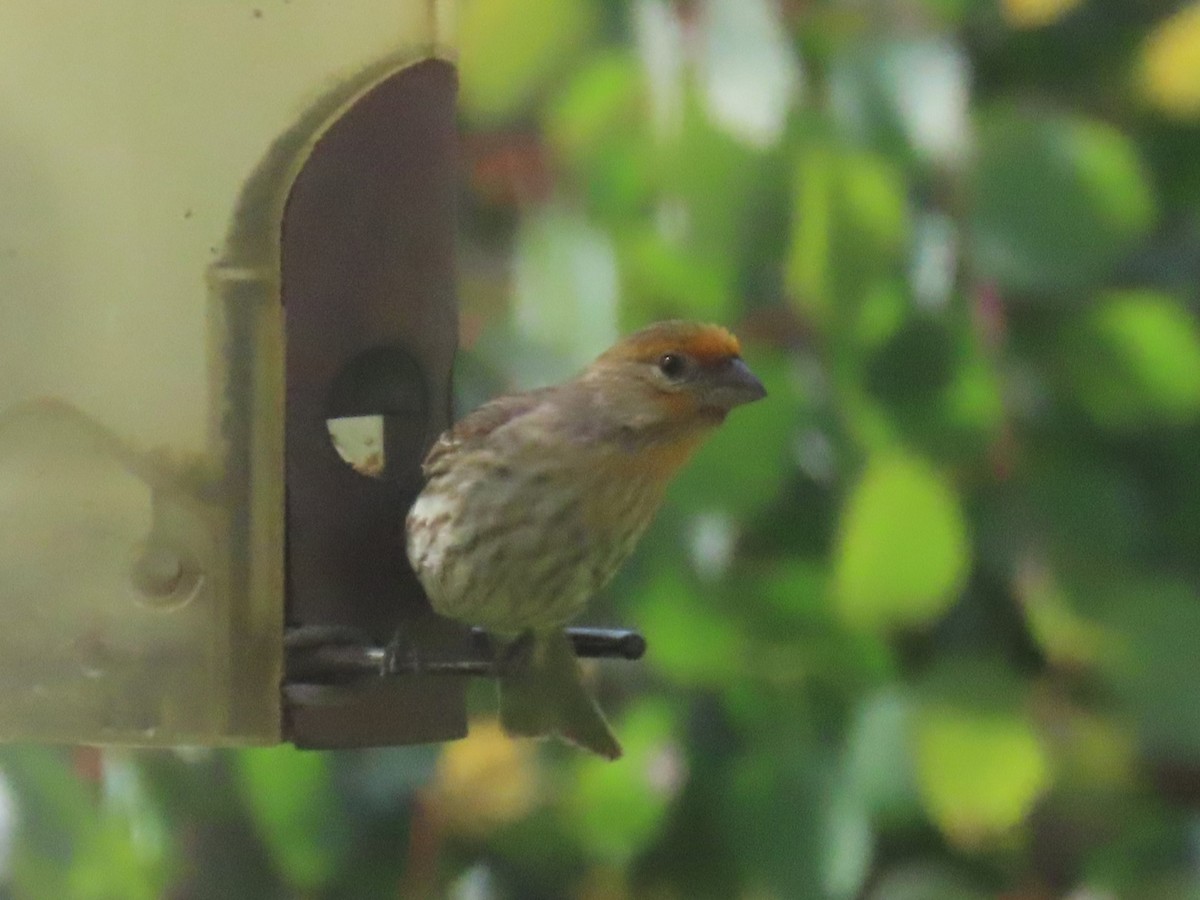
pixel 924 625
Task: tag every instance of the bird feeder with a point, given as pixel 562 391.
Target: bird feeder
pixel 226 293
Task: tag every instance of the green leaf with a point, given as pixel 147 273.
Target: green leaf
pixel 952 12
pixel 1169 69
pixel 111 864
pixel 917 361
pixel 979 771
pixel 850 842
pixel 1144 853
pixel 794 588
pixel 691 643
pixel 714 194
pixel 1080 511
pixel 849 229
pixel 882 312
pixel 291 800
pixel 617 808
pixel 877 759
pixel 1066 637
pixel 972 406
pixel 1135 360
pixel 779 818
pixel 903 552
pixel 71 843
pixel 741 467
pixel 1150 661
pixel 924 881
pixel 1058 202
pixel 510 48
pixel 596 126
pixel 795 637
pixel 660 274
pixel 53 806
pixel 604 94
pixel 937 388
pixel 566 285
pixel 903 95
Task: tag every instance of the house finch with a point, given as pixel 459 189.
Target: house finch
pixel 534 500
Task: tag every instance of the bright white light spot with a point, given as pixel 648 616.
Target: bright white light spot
pixel 8 826
pixel 748 69
pixel 660 44
pixel 566 287
pixel 712 543
pixel 476 883
pixel 930 84
pixel 934 260
pixel 815 456
pixel 666 770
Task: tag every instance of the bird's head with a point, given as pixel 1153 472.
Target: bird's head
pixel 676 373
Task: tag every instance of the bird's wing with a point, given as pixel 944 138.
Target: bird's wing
pixel 478 424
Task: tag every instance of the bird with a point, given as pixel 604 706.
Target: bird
pixel 534 500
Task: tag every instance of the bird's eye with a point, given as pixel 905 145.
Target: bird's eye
pixel 672 364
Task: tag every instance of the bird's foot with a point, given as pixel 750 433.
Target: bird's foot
pixel 515 656
pixel 400 655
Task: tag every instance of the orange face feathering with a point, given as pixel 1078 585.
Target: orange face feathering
pixel 678 380
pixel 707 344
pixel 692 373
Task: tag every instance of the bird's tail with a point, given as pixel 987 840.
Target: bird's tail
pixel 542 693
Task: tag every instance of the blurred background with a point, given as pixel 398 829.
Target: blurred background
pixel 924 625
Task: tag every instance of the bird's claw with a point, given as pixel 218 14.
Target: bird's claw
pixel 400 655
pixel 514 657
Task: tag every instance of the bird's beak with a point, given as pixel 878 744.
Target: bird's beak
pixel 732 385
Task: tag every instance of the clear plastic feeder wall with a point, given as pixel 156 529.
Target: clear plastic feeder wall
pixel 147 152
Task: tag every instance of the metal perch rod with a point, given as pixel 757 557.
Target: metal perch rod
pixel 342 656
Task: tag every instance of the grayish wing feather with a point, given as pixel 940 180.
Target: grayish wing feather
pixel 474 427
